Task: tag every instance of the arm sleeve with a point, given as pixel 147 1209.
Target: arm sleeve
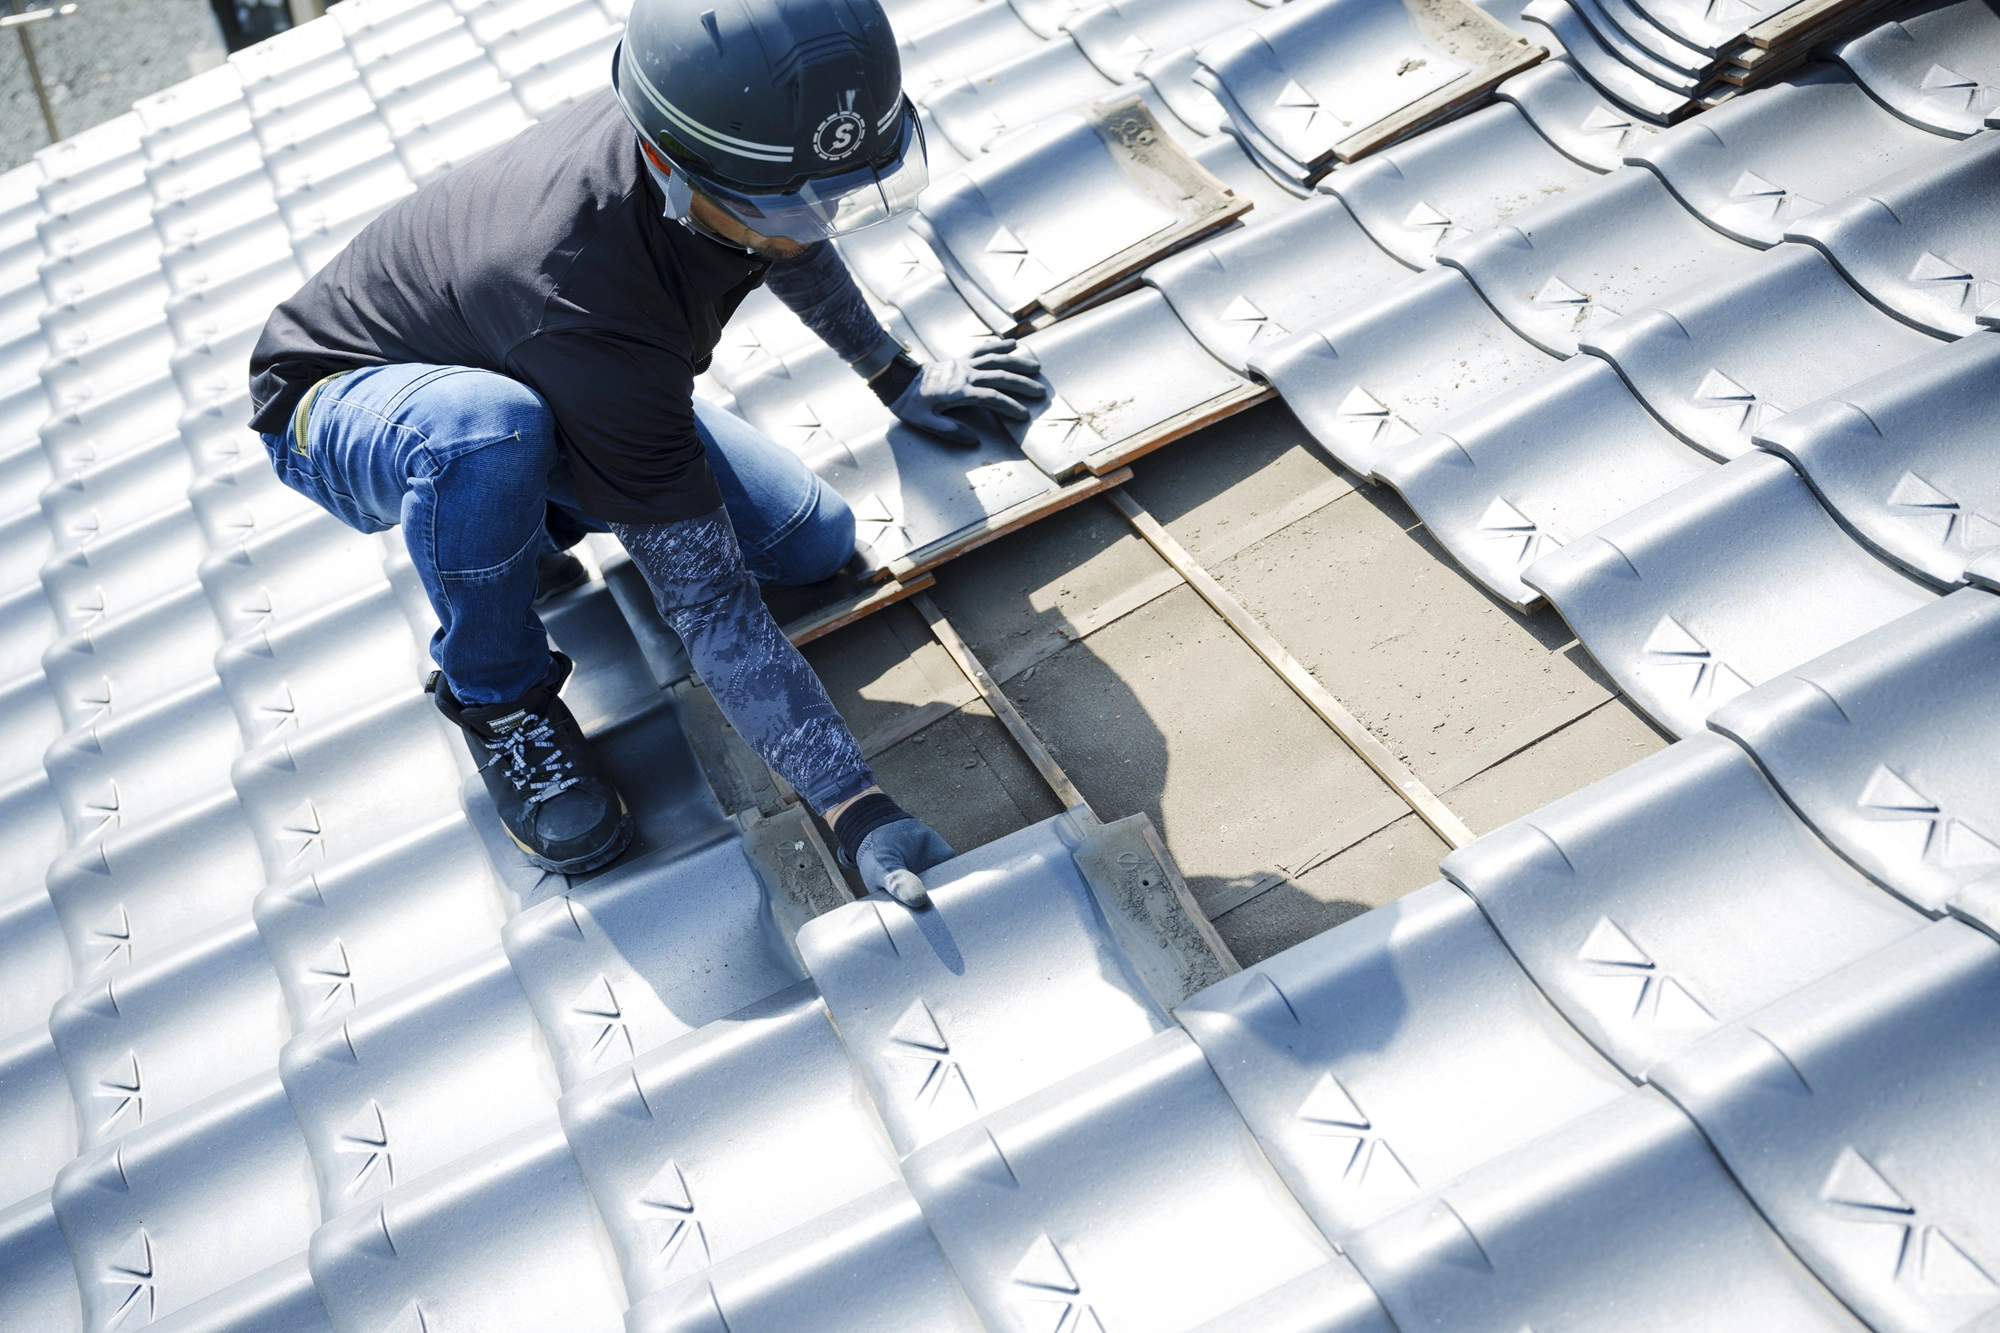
pixel 624 412
pixel 817 288
pixel 763 686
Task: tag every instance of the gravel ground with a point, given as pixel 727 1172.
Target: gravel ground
pixel 97 62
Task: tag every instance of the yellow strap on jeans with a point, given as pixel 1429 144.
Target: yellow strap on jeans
pixel 305 406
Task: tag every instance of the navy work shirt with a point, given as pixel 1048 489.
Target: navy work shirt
pixel 545 260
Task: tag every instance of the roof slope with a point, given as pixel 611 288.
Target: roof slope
pixel 291 1039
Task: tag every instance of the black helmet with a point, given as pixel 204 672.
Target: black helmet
pixel 790 114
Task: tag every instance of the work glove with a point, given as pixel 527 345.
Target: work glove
pixel 890 847
pixel 893 856
pixel 996 377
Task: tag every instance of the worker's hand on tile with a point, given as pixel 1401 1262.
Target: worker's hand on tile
pixel 996 377
pixel 894 856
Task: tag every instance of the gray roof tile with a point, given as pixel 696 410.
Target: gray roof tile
pixel 137 891
pixel 1503 483
pixel 1621 1212
pixel 132 767
pixel 973 112
pixel 168 1032
pixel 629 960
pixel 918 997
pixel 1638 932
pixel 41 1291
pixel 961 45
pixel 1366 1095
pixel 1571 114
pixel 37 1120
pixel 179 1209
pixel 1874 744
pixel 400 1086
pixel 1382 372
pixel 1937 65
pixel 1308 82
pixel 1062 211
pixel 354 932
pixel 36 958
pixel 1126 377
pixel 129 660
pixel 1130 1194
pixel 1332 1298
pixel 1243 290
pixel 1719 360
pixel 1561 269
pixel 1693 598
pixel 1460 178
pixel 508 1237
pixel 704 1149
pixel 1916 242
pixel 281 1299
pixel 1854 1113
pixel 1754 165
pixel 1629 89
pixel 1900 457
pixel 869 1267
pixel 1119 36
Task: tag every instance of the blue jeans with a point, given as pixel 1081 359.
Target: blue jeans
pixel 466 460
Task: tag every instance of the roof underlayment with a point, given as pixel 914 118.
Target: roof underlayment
pixel 1670 330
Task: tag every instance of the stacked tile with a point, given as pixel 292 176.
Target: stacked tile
pixel 1333 80
pixel 1666 59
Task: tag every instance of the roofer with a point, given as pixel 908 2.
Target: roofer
pixel 505 361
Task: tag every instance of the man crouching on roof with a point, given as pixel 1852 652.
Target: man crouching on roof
pixel 504 361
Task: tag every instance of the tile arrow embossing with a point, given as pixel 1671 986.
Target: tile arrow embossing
pixel 130 1272
pixel 121 1086
pixel 332 976
pixel 1914 1252
pixel 1670 647
pixel 367 1137
pixel 1330 1112
pixel 1047 1286
pixel 1653 995
pixel 668 1210
pixel 917 1037
pixel 1504 523
pixel 597 1009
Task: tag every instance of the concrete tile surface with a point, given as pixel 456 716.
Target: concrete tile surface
pixel 96 62
pixel 1596 745
pixel 1241 479
pixel 1378 869
pixel 1167 712
pixel 1428 661
pixel 1031 594
pixel 965 778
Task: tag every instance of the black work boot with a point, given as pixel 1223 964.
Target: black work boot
pixel 558 807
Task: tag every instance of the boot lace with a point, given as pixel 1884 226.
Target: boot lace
pixel 542 776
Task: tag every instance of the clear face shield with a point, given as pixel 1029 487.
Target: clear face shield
pixel 835 205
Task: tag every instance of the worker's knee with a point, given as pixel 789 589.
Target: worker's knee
pixel 817 548
pixel 491 447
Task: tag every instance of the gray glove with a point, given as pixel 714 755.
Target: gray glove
pixel 892 856
pixel 996 377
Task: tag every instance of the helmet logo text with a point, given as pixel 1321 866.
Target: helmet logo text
pixel 840 133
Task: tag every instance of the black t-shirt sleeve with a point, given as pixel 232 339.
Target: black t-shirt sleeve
pixel 625 409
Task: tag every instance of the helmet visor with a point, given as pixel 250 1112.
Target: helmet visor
pixel 835 205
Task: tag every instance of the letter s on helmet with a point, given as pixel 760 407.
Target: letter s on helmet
pixel 789 114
